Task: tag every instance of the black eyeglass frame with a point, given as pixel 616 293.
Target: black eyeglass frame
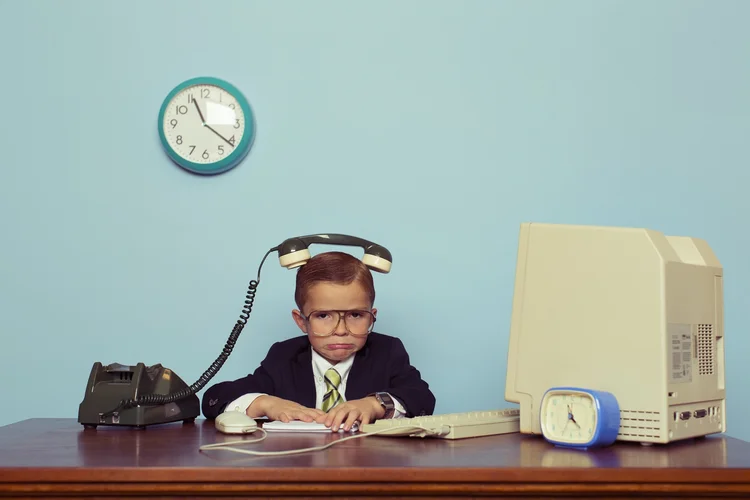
pixel 341 314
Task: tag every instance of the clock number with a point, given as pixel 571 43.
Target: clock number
pixel 192 148
pixel 179 139
pixel 205 154
pixel 231 140
pixel 181 109
pixel 237 123
pixel 205 93
pixel 221 149
pixel 190 98
pixel 173 122
pixel 231 105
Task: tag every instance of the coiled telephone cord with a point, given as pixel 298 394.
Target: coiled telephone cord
pixel 160 399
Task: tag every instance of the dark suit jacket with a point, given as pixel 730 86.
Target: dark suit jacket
pixel 381 365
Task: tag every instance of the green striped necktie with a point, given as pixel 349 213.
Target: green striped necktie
pixel 332 396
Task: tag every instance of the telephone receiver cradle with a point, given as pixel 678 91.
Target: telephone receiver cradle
pixel 139 395
pixel 108 385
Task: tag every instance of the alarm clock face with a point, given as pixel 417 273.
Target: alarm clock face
pixel 569 417
pixel 206 125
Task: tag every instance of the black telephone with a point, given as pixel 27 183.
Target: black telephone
pixel 140 395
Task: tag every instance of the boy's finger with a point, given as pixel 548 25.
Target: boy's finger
pixel 341 417
pixel 306 412
pixel 335 420
pixel 353 415
pixel 302 415
pixel 331 416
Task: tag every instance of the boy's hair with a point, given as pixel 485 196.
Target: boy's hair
pixel 332 267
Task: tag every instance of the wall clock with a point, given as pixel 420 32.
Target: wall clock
pixel 206 125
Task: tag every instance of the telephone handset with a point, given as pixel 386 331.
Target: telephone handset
pixel 294 253
pixel 139 396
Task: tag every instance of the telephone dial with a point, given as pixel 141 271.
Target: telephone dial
pixel 139 395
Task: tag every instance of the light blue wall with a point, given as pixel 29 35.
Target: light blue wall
pixel 432 127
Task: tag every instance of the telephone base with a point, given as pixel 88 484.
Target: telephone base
pixel 108 385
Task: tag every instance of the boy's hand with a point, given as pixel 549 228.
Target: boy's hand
pixel 363 410
pixel 282 409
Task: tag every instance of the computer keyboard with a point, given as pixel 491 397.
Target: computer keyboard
pixel 449 425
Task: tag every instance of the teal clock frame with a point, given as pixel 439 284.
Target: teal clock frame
pixel 240 151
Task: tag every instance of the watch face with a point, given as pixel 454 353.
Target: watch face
pixel 569 417
pixel 386 402
pixel 206 125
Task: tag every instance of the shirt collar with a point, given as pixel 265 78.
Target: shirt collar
pixel 320 365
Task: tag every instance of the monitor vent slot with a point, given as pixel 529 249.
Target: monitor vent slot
pixel 705 350
pixel 639 423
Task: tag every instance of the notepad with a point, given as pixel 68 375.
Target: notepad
pixel 300 426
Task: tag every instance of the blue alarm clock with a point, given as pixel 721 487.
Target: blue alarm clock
pixel 206 125
pixel 575 417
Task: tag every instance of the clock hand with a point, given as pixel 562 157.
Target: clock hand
pixel 570 417
pixel 209 127
pixel 203 120
pixel 215 132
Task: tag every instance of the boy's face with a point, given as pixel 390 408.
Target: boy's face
pixel 332 297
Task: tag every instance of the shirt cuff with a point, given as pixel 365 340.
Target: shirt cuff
pixel 242 403
pixel 399 410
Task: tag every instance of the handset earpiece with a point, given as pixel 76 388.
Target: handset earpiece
pixel 294 252
pixel 378 258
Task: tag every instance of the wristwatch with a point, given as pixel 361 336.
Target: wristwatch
pixel 386 401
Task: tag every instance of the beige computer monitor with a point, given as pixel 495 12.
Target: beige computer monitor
pixel 625 310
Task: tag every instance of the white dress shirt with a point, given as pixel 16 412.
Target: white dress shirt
pixel 319 366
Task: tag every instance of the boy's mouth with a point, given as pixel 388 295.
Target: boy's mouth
pixel 335 347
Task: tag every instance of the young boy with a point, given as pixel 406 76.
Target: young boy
pixel 342 371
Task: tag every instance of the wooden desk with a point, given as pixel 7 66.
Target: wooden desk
pixel 56 457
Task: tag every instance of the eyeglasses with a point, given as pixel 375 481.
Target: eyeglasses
pixel 357 322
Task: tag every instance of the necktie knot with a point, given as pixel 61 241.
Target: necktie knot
pixel 333 378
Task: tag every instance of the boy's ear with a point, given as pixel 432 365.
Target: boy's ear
pixel 297 316
pixel 374 311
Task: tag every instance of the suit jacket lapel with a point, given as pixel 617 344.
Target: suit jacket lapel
pixel 302 376
pixel 359 375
